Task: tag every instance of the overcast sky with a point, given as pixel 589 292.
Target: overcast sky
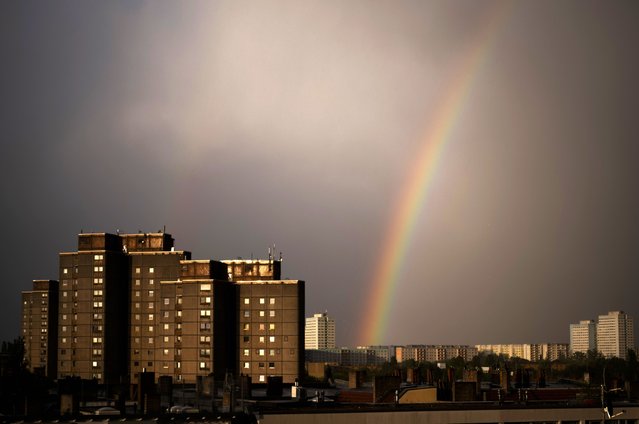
pixel 242 124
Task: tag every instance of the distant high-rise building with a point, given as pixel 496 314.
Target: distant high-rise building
pixel 40 327
pixel 319 332
pixel 615 334
pixel 583 336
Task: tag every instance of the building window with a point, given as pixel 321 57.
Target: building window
pixel 150 293
pixel 151 270
pixel 261 365
pixel 98 269
pixel 205 313
pixel 150 317
pixel 261 327
pixel 271 352
pixel 150 282
pixel 271 365
pixel 247 365
pixel 205 287
pixel 150 306
pixel 65 271
pixel 150 340
pixel 95 364
pixel 205 352
pixel 272 301
pixel 247 339
pixel 247 314
pixel 271 326
pixel 137 293
pixel 271 313
pixel 137 271
pixel 167 301
pixel 150 328
pixel 246 327
pixel 205 326
pixel 137 281
pixel 262 300
pixel 166 326
pixel 97 292
pixel 203 365
pixel 97 281
pixel 261 352
pixel 165 314
pixel 205 300
pixel 166 339
pixel 97 340
pixel 98 257
pixel 262 379
pixel 247 301
pixel 271 339
pixel 261 313
pixel 97 304
pixel 247 352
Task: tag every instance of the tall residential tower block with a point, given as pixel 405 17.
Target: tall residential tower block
pixel 128 303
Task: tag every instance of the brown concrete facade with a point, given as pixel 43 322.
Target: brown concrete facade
pixel 130 303
pixel 40 327
pixel 271 329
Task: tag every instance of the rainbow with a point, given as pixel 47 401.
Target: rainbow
pixel 413 195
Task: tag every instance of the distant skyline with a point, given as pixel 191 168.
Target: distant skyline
pixel 242 124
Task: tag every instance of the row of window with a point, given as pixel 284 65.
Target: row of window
pixel 271 365
pixel 262 352
pixel 271 313
pixel 271 301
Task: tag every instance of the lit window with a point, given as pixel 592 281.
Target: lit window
pixel 272 301
pixel 150 317
pixel 246 327
pixel 97 304
pixel 150 293
pixel 271 352
pixel 151 282
pixel 64 294
pixel 261 352
pixel 98 269
pixel 179 313
pixel 165 314
pixel 261 326
pixel 247 314
pixel 137 328
pixel 150 340
pixel 205 287
pixel 137 271
pixel 137 305
pixel 97 340
pixel 271 313
pixel 247 365
pixel 166 326
pixel 137 282
pixel 271 339
pixel 205 313
pixel 65 271
pixel 64 328
pixel 97 292
pixel 271 326
pixel 261 313
pixel 97 281
pixel 167 301
pixel 150 328
pixel 166 351
pixel 95 364
pixel 150 305
pixel 137 293
pixel 262 379
pixel 246 352
pixel 151 270
pixel 98 257
pixel 246 301
pixel 205 300
pixel 166 339
pixel 262 300
pixel 261 339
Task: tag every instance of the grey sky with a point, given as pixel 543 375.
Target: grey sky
pixel 241 124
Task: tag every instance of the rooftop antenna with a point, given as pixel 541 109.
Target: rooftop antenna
pixel 280 256
pixel 164 229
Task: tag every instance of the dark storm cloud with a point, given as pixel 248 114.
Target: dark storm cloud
pixel 240 124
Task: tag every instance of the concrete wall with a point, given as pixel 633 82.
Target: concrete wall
pixel 581 415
